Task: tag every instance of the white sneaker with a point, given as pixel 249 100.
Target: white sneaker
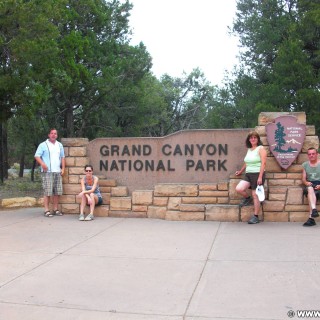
pixel 81 217
pixel 89 217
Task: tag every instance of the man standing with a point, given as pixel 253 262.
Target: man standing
pixel 311 181
pixel 50 156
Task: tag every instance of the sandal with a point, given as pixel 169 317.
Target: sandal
pixel 57 213
pixel 48 214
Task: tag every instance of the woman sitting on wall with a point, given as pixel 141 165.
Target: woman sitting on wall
pixel 90 194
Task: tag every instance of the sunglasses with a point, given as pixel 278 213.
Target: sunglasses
pixel 88 170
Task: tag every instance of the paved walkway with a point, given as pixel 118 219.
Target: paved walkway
pixel 132 269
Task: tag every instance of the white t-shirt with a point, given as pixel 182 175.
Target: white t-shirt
pixel 54 150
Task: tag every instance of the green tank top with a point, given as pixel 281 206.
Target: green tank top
pixel 253 160
pixel 313 173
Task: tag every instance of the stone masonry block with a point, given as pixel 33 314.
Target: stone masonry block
pixel 102 211
pixel 296 176
pixel 67 199
pixel 176 190
pixel 67 208
pixel 75 171
pixel 277 197
pixel 142 197
pixel 280 176
pixel 294 196
pixel 74 142
pixel 72 189
pixel 74 179
pixel 273 205
pixel 232 189
pixel 156 212
pixel 127 214
pixel 295 168
pixel 310 141
pixel 199 200
pixel 184 216
pixel 120 203
pixel 192 207
pixel 70 162
pixel 296 208
pixel 266 117
pixel 174 203
pixel 160 201
pixel 77 151
pixel 222 213
pixel 106 198
pixel 272 165
pixel 208 187
pixel 247 212
pixel 19 202
pixel 105 189
pixel 107 183
pixel 81 161
pixel 277 189
pixel 280 182
pixel 298 216
pixel 223 186
pixel 213 193
pixel 311 131
pixel 276 216
pixel 119 192
pixel 139 208
pixel 222 200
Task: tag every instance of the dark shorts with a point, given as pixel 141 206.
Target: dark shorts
pixel 99 201
pixel 252 178
pixel 314 183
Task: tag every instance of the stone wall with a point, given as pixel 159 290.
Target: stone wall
pixel 196 201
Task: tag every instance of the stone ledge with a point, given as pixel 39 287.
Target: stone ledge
pixel 21 202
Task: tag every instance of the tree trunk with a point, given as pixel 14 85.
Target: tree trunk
pixel 68 122
pixel 5 151
pixel 1 156
pixel 21 170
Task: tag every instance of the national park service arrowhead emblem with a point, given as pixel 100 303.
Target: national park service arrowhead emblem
pixel 285 137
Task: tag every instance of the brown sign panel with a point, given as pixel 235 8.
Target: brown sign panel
pixel 191 156
pixel 285 137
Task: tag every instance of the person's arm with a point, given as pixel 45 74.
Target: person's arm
pixel 238 172
pixel 38 157
pixel 263 157
pixel 63 165
pixel 304 178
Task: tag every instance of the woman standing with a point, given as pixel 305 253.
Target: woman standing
pixel 90 194
pixel 254 167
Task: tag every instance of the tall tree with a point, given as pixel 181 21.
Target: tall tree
pixel 279 58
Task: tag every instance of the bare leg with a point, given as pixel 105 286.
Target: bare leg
pixel 94 200
pixel 83 203
pixel 242 188
pixel 46 201
pixel 55 202
pixel 256 203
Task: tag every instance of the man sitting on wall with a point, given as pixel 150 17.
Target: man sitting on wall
pixel 311 181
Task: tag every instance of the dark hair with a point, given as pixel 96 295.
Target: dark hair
pixel 51 129
pixel 88 166
pixel 312 148
pixel 252 134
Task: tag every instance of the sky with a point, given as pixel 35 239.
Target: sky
pixel 181 35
